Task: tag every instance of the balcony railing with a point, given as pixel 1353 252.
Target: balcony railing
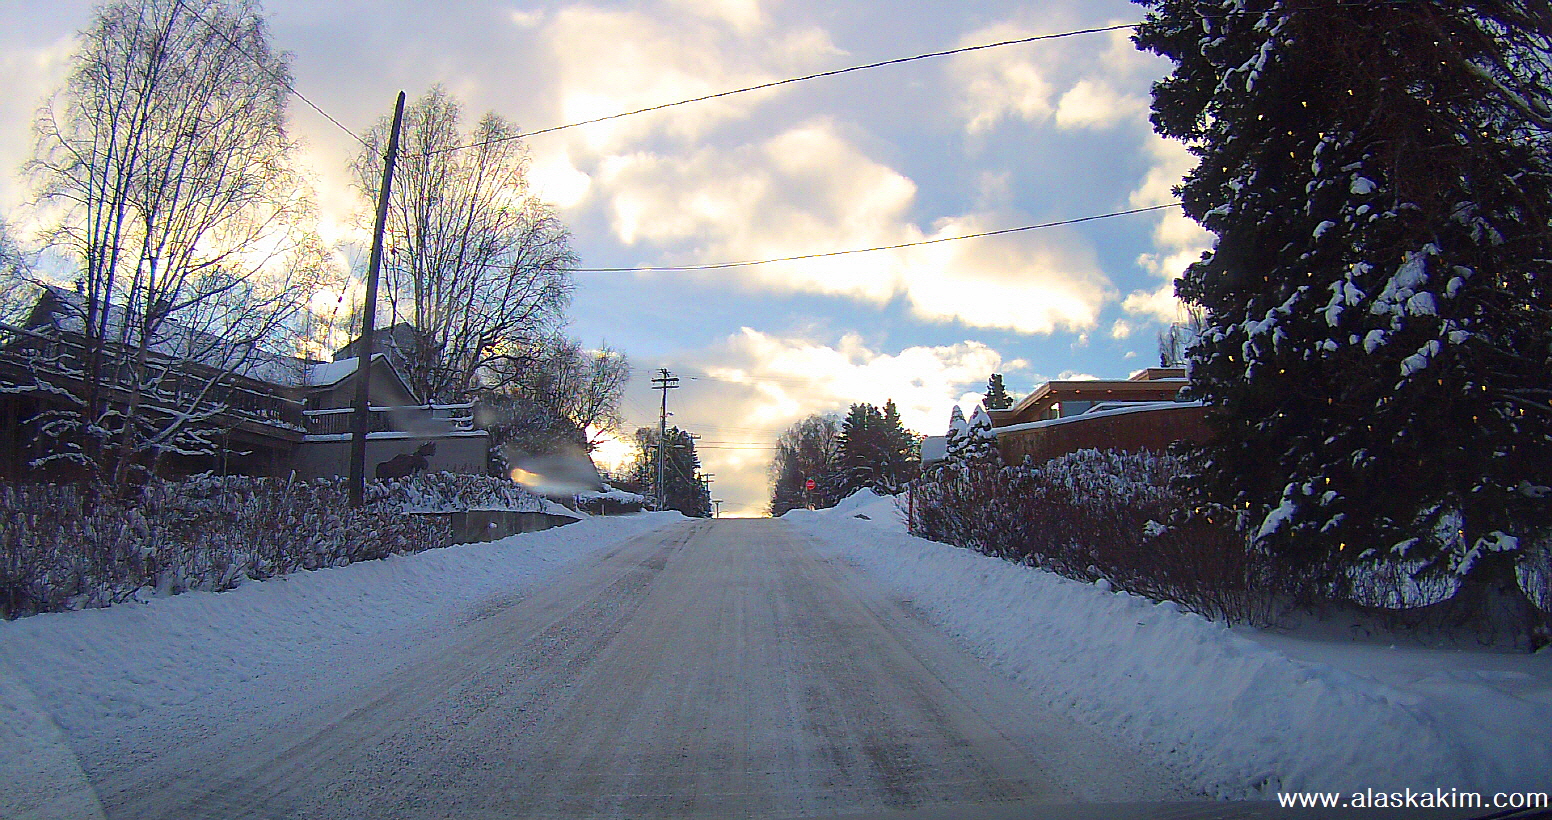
pixel 60 362
pixel 426 419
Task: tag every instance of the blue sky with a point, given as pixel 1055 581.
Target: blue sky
pixel 994 139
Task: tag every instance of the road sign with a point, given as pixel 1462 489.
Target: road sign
pixel 809 485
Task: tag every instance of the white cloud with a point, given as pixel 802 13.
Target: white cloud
pixel 1096 104
pixel 556 181
pixel 526 18
pixel 810 190
pixel 1177 240
pixel 31 75
pixel 807 377
pixel 754 384
pixel 607 62
pixel 1005 89
pixel 1034 284
pixel 744 16
pixel 1070 82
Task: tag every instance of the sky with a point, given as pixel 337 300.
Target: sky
pixel 993 139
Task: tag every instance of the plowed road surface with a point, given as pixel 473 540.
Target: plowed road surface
pixel 717 669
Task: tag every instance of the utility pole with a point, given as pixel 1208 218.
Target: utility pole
pixel 706 483
pixel 665 382
pixel 360 408
pixel 717 503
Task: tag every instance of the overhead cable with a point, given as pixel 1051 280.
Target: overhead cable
pixel 775 83
pixel 262 66
pixel 801 257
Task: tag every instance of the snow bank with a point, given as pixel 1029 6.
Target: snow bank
pixel 106 678
pixel 1239 716
pixel 876 507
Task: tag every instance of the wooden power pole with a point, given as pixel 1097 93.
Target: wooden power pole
pixel 665 382
pixel 360 412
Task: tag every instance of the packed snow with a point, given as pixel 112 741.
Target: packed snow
pixel 105 677
pixel 1240 713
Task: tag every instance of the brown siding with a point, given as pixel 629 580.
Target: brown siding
pixel 1142 430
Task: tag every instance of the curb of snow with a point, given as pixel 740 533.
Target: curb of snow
pixel 1238 719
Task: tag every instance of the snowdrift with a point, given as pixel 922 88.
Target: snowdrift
pixel 1241 714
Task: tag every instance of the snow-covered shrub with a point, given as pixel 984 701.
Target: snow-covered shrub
pixel 1127 518
pixel 68 547
pixel 609 501
pixel 1097 514
pixel 454 492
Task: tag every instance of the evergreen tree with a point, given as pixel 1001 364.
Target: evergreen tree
pixel 864 449
pixel 1377 348
pixel 902 450
pixel 997 397
pixel 682 489
pixel 978 444
pixel 958 437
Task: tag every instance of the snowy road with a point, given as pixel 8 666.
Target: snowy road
pixel 706 669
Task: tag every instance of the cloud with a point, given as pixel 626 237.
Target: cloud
pixel 809 189
pixel 751 385
pixel 1177 240
pixel 526 18
pixel 744 16
pixel 32 74
pixel 1004 88
pixel 607 62
pixel 556 180
pixel 1088 81
pixel 1096 104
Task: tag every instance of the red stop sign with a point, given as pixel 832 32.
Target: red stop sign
pixel 809 485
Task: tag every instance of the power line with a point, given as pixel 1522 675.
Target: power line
pixel 289 86
pixel 280 78
pixel 775 83
pixel 801 257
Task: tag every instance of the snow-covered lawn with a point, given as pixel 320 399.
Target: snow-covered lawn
pixel 105 678
pixel 1239 712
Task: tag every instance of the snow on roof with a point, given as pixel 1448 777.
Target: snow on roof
pixel 322 375
pixel 1121 409
pixel 934 448
pixel 177 340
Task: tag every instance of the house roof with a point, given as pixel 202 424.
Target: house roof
pixel 65 311
pixel 328 373
pixel 1152 384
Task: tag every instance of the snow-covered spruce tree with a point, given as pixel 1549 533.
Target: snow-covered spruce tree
pixel 1378 341
pixel 958 433
pixel 979 444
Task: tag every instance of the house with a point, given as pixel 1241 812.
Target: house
pixel 266 414
pixel 44 361
pixel 399 423
pixel 1143 412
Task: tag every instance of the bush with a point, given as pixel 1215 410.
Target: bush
pixel 1099 514
pixel 1125 517
pixel 609 501
pixel 455 492
pixel 68 547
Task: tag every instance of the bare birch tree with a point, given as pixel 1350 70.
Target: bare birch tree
pixel 478 264
pixel 558 395
pixel 165 161
pixel 17 291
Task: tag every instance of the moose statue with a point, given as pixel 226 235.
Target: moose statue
pixel 405 465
